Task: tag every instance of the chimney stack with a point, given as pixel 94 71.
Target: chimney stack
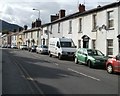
pixel 38 23
pixel 14 30
pixel 25 27
pixel 81 8
pixel 33 24
pixel 20 29
pixel 54 17
pixel 61 13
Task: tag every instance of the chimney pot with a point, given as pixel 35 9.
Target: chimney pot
pixel 25 27
pixel 54 17
pixel 81 8
pixel 38 23
pixel 61 13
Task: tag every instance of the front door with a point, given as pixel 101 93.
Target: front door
pixel 85 41
pixel 85 44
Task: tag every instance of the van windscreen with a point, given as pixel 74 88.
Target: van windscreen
pixel 66 44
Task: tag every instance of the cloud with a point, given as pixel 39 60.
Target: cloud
pixel 21 11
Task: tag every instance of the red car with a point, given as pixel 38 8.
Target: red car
pixel 113 64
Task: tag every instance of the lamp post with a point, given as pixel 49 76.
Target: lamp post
pixel 38 13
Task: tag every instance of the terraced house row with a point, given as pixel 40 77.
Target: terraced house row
pixel 97 28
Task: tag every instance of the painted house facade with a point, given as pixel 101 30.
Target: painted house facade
pixel 32 36
pixel 14 38
pixel 97 28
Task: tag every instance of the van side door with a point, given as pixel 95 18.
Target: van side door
pixel 57 48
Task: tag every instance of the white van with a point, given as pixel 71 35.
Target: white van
pixel 61 47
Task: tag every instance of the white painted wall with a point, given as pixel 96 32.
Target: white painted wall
pixel 100 36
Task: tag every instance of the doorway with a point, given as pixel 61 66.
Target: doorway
pixel 85 41
pixel 85 44
pixel 118 42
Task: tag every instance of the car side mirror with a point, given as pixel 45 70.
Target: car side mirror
pixel 58 46
pixel 85 54
pixel 117 58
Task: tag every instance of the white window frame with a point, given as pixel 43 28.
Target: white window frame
pixel 94 22
pixel 110 19
pixel 108 47
pixel 80 25
pixel 70 27
pixel 58 27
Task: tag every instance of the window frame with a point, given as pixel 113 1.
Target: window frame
pixel 109 47
pixel 70 27
pixel 58 27
pixel 109 19
pixel 94 22
pixel 80 25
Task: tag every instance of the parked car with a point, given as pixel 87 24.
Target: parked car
pixel 113 64
pixel 8 46
pixel 23 47
pixel 91 57
pixel 4 46
pixel 42 49
pixel 14 46
pixel 32 48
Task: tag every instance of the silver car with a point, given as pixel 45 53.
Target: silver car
pixel 42 49
pixel 23 47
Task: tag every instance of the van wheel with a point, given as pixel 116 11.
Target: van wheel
pixel 76 60
pixel 40 52
pixel 50 55
pixel 110 69
pixel 59 56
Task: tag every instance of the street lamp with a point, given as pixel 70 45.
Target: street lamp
pixel 38 11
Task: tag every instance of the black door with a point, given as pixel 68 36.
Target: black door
pixel 85 41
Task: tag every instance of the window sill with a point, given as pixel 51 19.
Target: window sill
pixel 94 30
pixel 80 32
pixel 69 33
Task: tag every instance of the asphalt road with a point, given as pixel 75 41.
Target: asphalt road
pixel 24 72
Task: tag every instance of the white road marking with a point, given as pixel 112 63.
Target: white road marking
pixel 84 74
pixel 56 64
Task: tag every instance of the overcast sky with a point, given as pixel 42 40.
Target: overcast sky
pixel 21 11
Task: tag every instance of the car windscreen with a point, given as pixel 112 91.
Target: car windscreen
pixel 34 46
pixel 95 52
pixel 24 45
pixel 44 46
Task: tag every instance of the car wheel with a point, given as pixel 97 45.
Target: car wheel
pixel 110 69
pixel 40 52
pixel 50 55
pixel 76 60
pixel 89 63
pixel 59 56
pixel 36 51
